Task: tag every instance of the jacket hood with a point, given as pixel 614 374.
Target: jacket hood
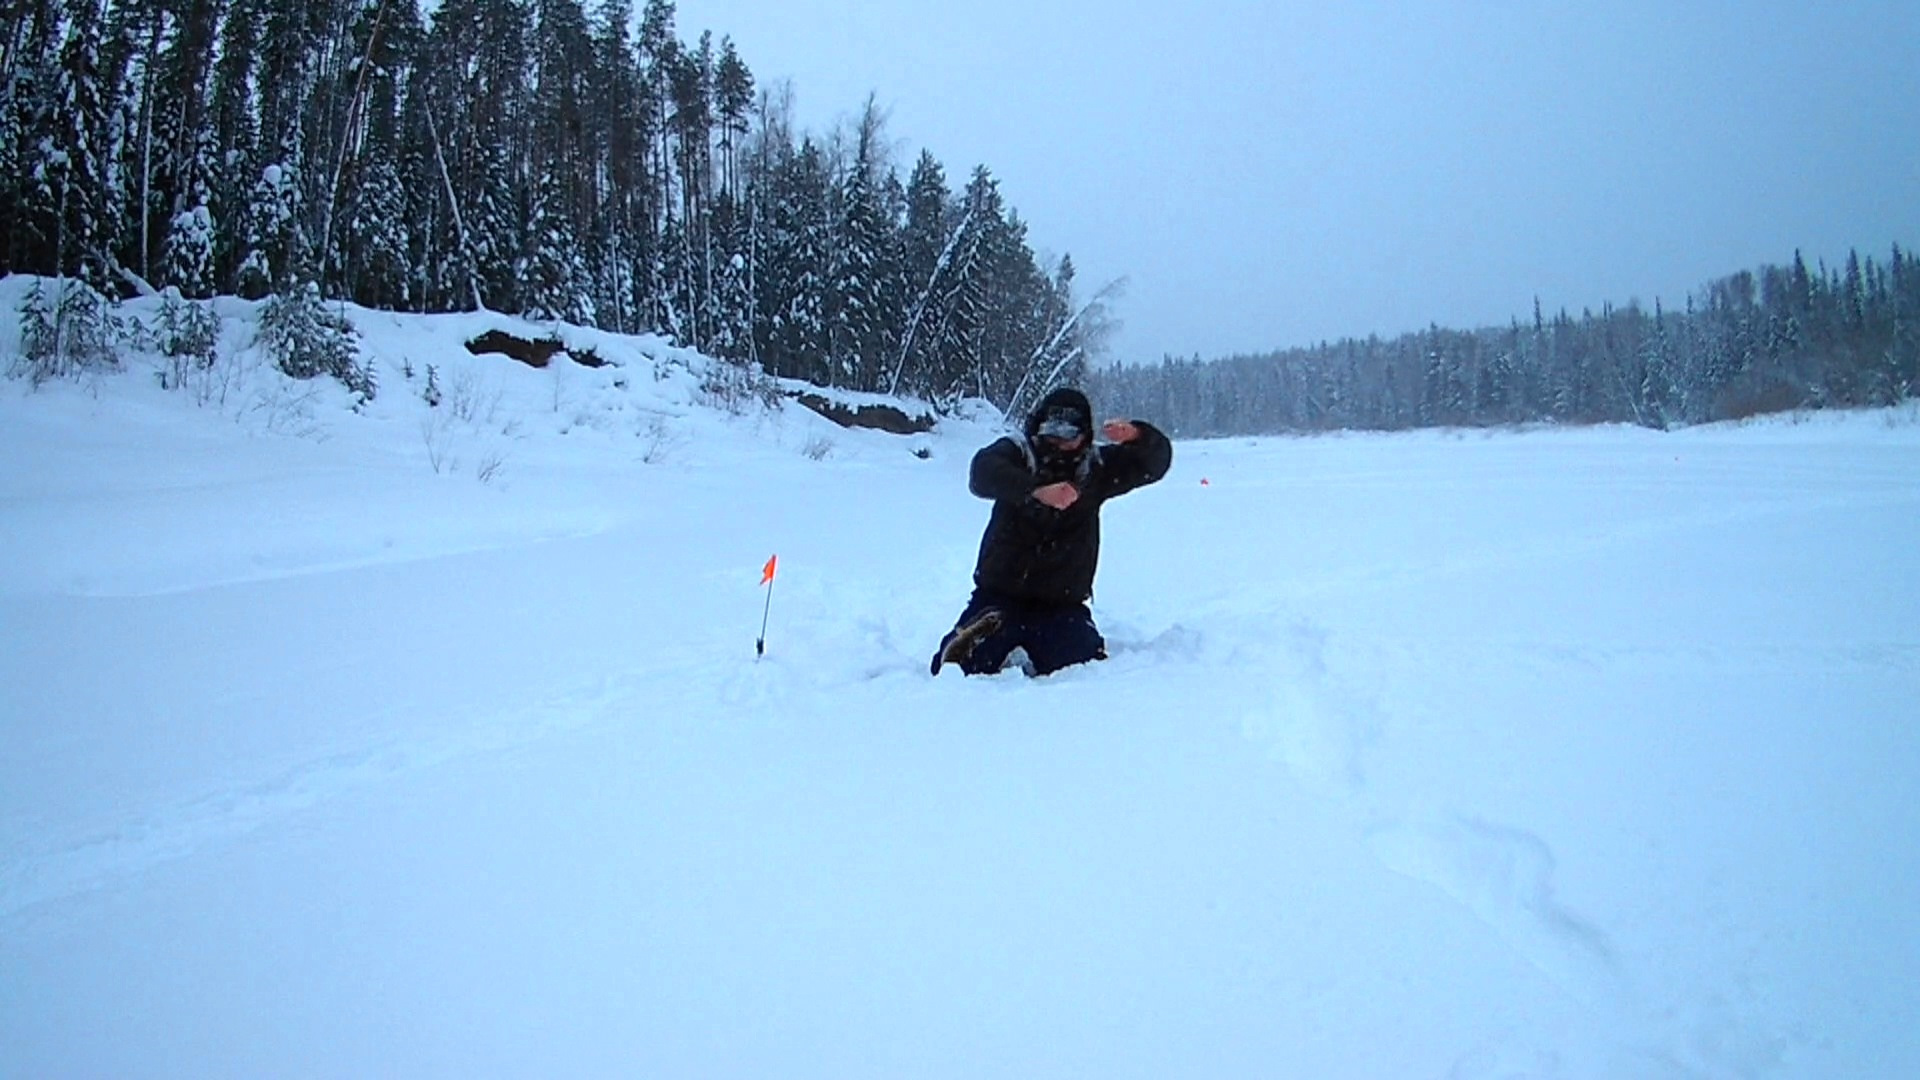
pixel 1061 409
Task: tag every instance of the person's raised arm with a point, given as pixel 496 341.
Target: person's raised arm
pixel 1139 455
pixel 1000 473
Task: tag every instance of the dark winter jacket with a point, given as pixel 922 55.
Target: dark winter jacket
pixel 1032 553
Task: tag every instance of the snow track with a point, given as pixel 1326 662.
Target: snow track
pixel 1535 755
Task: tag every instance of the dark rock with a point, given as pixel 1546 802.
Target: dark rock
pixel 531 353
pixel 879 417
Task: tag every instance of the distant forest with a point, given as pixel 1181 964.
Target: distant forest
pixel 532 157
pixel 1781 338
pixel 560 160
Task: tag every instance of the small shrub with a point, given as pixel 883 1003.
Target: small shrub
pixel 437 432
pixel 72 333
pixel 189 339
pixel 306 340
pixel 735 388
pixel 489 466
pixel 657 440
pixel 471 401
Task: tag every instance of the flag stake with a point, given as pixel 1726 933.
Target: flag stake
pixel 766 578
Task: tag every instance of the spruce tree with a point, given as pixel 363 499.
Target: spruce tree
pixel 236 158
pixel 81 167
pixel 178 181
pixel 925 254
pixel 796 269
pixel 306 339
pixel 368 231
pixel 32 79
pixel 857 338
pixel 550 272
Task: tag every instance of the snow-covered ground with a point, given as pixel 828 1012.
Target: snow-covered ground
pixel 1555 754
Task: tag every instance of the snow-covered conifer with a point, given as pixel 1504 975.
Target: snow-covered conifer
pixel 305 339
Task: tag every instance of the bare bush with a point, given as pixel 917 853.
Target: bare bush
pixel 658 440
pixel 289 409
pixel 472 401
pixel 488 468
pixel 737 388
pixel 436 430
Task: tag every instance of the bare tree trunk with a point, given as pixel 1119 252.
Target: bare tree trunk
pixel 453 203
pixel 350 137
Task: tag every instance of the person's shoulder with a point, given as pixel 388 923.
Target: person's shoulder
pixel 1006 448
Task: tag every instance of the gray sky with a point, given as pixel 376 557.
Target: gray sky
pixel 1269 173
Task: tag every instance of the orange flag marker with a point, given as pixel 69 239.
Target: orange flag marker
pixel 766 578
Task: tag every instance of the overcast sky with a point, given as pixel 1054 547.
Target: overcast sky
pixel 1268 173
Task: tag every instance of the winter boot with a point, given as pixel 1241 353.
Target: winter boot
pixel 960 643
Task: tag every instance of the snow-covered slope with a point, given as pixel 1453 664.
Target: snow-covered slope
pixel 1557 754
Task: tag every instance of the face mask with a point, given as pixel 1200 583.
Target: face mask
pixel 1056 461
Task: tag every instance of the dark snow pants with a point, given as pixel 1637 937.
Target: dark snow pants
pixel 1053 637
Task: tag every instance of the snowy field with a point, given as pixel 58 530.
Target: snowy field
pixel 1562 754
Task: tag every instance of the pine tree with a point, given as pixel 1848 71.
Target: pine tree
pixel 178 170
pixel 796 269
pixel 70 332
pixel 369 232
pixel 307 340
pixel 1659 397
pixel 614 104
pixel 926 246
pixel 235 160
pixel 493 225
pixel 81 164
pixel 33 167
pixel 731 311
pixel 550 272
pixel 130 51
pixel 688 265
pixel 189 338
pixel 857 335
pixel 276 244
pixel 190 240
pixel 476 117
pixel 657 50
pixel 733 107
pixel 957 369
pixel 1903 349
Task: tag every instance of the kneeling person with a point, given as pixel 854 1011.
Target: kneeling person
pixel 1042 544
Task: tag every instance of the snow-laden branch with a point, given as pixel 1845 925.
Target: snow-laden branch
pixel 1016 405
pixel 920 305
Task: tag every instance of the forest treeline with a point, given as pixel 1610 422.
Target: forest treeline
pixel 1771 340
pixel 562 161
pixel 533 157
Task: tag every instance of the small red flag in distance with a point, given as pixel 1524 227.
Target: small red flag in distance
pixel 766 572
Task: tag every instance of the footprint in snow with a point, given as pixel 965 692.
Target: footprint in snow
pixel 1504 876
